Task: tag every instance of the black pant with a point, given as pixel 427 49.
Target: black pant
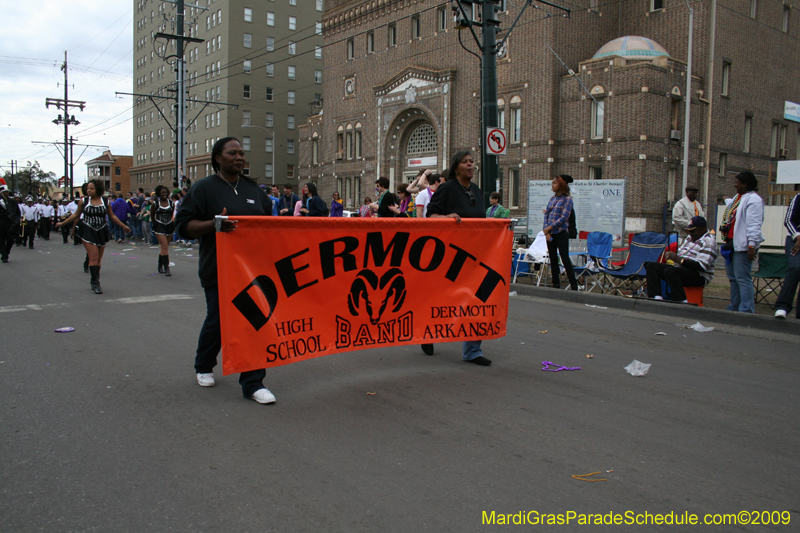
pixel 44 229
pixel 29 234
pixel 210 343
pixel 6 240
pixel 677 277
pixel 65 233
pixel 559 243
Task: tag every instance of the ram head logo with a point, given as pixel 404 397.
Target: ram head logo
pixel 373 296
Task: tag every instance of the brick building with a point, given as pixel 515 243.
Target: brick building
pixel 114 170
pixel 401 91
pixel 263 57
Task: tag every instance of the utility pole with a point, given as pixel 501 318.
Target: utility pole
pixel 488 44
pixel 66 120
pixel 180 77
pixel 14 176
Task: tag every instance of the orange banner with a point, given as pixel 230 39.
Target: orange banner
pixel 295 288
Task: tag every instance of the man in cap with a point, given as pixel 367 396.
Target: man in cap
pixel 686 208
pixel 63 214
pixel 30 216
pixel 691 266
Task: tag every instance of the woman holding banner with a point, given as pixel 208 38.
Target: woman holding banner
pixel 460 198
pixel 227 193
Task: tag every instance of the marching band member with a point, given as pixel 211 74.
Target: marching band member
pixel 30 216
pixel 63 214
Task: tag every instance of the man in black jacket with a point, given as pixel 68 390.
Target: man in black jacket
pixel 9 222
pixel 287 202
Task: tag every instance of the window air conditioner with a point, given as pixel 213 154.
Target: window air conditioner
pixel 675 135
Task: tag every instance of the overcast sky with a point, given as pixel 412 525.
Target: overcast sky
pixel 98 38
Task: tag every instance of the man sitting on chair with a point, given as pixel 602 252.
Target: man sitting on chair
pixel 691 266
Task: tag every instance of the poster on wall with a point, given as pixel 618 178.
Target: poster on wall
pixel 599 206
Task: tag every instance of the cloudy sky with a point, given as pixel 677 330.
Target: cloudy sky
pixel 98 38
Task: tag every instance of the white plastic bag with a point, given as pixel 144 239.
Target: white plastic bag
pixel 637 368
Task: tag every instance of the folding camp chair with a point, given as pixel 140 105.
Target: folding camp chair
pixel 535 255
pixel 578 253
pixel 645 247
pixel 772 269
pixel 598 249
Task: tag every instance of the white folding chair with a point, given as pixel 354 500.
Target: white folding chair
pixel 536 254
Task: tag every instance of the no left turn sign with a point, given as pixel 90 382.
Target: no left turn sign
pixel 496 141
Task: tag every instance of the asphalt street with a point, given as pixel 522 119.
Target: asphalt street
pixel 105 429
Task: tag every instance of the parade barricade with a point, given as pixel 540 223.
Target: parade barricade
pixel 296 288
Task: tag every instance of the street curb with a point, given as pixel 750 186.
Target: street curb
pixel 686 313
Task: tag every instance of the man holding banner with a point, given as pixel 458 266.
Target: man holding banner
pixel 226 193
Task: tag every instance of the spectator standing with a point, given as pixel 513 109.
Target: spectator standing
pixel 337 207
pixel 496 210
pixel 365 211
pixel 406 209
pixel 274 195
pixel 287 201
pixel 121 209
pixel 460 198
pixel 556 230
pixel 685 209
pixel 313 205
pixel 741 227
pixel 385 198
pixel 434 180
pixel 783 306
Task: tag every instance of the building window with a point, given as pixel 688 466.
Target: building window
pixel 270 19
pixel 358 141
pixel 289 146
pixel 246 91
pixel 392 32
pixel 319 28
pixel 320 5
pixel 422 140
pixel 318 52
pixel 656 5
pixel 290 97
pixel 726 78
pixel 753 9
pixel 268 170
pixel 292 2
pixel 269 120
pixel 293 23
pixel 290 70
pixel 671 177
pixel 292 47
pixel 248 14
pixel 723 164
pixel 513 187
pixel 270 44
pixel 785 21
pixel 248 40
pixel 268 145
pixel 675 114
pixel 370 42
pixel 117 171
pixel 748 129
pixel 416 27
pixel 516 125
pixel 317 76
pixel 270 69
pixel 598 117
pixel 314 151
pixel 248 66
pixel 595 173
pixel 501 118
pixel 245 142
pixel 245 118
pixel 351 49
pixel 290 122
pixel 269 94
pixel 340 143
pixel 441 19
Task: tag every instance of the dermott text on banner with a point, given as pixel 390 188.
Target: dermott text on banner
pixel 293 289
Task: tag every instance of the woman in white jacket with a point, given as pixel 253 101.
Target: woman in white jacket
pixel 741 228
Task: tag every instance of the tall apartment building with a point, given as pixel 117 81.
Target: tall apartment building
pixel 402 94
pixel 259 66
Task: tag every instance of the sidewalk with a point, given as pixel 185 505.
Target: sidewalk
pixel 688 313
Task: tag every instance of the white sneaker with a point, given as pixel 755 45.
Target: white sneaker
pixel 780 313
pixel 206 380
pixel 263 396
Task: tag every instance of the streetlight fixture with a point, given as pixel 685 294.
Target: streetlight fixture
pixel 273 145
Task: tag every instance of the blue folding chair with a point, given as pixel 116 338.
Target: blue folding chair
pixel 645 247
pixel 598 251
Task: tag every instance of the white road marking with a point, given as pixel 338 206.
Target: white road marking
pixel 133 300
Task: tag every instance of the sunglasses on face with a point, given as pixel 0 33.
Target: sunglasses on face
pixel 471 197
